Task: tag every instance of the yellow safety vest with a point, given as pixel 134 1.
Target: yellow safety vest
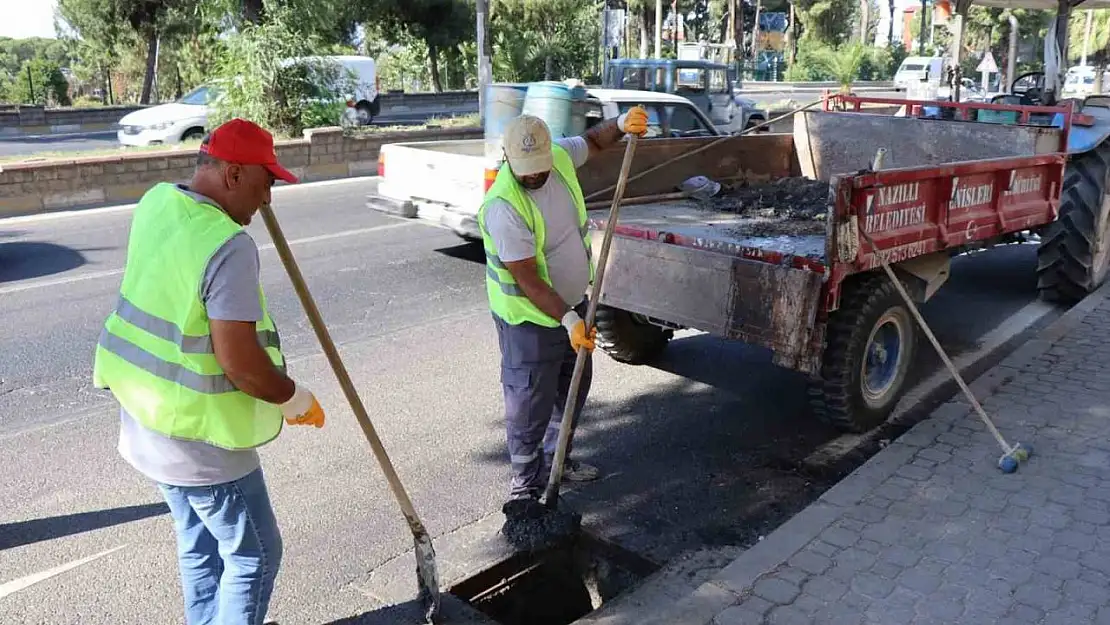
pixel 506 299
pixel 155 351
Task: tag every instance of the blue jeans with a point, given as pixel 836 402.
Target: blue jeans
pixel 229 549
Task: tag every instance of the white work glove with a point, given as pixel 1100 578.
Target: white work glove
pixel 576 330
pixel 302 408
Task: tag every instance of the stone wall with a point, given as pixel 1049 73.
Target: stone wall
pixel 323 153
pixel 35 120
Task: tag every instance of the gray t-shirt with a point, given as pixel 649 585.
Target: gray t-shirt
pixel 230 293
pixel 566 254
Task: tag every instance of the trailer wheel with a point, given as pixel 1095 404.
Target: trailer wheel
pixel 1074 253
pixel 627 338
pixel 870 343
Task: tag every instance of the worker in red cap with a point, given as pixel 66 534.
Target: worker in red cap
pixel 193 357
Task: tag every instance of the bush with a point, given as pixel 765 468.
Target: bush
pixel 270 76
pixel 87 101
pixel 40 82
pixel 811 63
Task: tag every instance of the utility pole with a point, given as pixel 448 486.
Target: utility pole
pixel 921 43
pixel 674 26
pixel 485 70
pixel 1086 37
pixel 658 29
pixel 732 33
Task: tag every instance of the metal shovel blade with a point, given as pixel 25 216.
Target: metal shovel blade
pixel 427 578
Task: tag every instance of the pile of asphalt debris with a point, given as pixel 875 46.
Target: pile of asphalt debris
pixel 785 206
pixel 795 198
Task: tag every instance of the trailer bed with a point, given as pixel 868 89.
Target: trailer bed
pixel 692 223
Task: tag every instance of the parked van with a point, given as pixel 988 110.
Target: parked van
pixel 187 118
pixel 915 70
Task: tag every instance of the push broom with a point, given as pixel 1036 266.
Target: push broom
pixel 1012 455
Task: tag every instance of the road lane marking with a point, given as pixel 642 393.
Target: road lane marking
pixel 94 275
pixel 108 210
pixel 23 583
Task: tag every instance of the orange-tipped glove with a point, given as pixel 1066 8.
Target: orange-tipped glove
pixel 576 329
pixel 303 409
pixel 634 122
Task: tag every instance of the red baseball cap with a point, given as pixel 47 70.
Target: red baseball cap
pixel 246 143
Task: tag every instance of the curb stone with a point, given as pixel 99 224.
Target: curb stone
pixel 734 583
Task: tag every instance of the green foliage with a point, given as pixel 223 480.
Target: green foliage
pixel 40 82
pixel 826 22
pixel 259 82
pixel 845 64
pixel 543 39
pixel 443 26
pixel 811 63
pixel 1097 48
pixel 876 64
pixel 320 114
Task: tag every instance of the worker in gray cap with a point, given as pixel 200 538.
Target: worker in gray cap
pixel 538 267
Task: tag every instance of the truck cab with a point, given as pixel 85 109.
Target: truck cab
pixel 709 86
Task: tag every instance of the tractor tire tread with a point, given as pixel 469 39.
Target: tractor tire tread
pixel 1065 256
pixel 831 394
pixel 626 340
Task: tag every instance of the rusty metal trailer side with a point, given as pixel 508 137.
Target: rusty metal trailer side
pixel 676 264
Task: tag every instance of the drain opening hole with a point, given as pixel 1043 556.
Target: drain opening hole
pixel 556 587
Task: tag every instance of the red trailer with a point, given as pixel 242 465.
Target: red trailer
pixel 811 289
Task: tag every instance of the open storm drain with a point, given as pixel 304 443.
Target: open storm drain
pixel 555 587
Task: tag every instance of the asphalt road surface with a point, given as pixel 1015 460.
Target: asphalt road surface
pixel 698 452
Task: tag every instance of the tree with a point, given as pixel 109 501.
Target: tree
pixel 546 38
pixel 825 22
pixel 40 81
pixel 258 79
pixel 100 29
pixel 440 24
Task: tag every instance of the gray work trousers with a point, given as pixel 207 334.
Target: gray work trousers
pixel 537 364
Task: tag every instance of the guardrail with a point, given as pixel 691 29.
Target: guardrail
pixel 36 120
pixel 21 121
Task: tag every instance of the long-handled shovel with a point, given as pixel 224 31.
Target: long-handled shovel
pixel 427 578
pixel 551 495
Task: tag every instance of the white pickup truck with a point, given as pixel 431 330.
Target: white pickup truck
pixel 443 182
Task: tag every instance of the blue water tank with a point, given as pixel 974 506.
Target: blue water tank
pixel 578 110
pixel 504 102
pixel 551 101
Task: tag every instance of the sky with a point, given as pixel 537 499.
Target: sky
pixel 27 18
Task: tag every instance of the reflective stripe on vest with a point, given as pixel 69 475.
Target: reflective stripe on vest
pixel 155 351
pixel 164 329
pixel 507 299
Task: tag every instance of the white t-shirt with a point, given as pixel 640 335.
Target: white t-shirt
pixel 230 293
pixel 567 263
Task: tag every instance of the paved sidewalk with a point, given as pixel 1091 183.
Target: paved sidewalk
pixel 930 531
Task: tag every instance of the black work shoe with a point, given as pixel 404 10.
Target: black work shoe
pixel 523 508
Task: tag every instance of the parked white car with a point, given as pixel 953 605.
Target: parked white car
pixel 169 123
pixel 187 118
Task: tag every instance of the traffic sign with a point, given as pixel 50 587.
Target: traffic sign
pixel 987 64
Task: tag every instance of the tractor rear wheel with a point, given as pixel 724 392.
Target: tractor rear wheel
pixel 1074 253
